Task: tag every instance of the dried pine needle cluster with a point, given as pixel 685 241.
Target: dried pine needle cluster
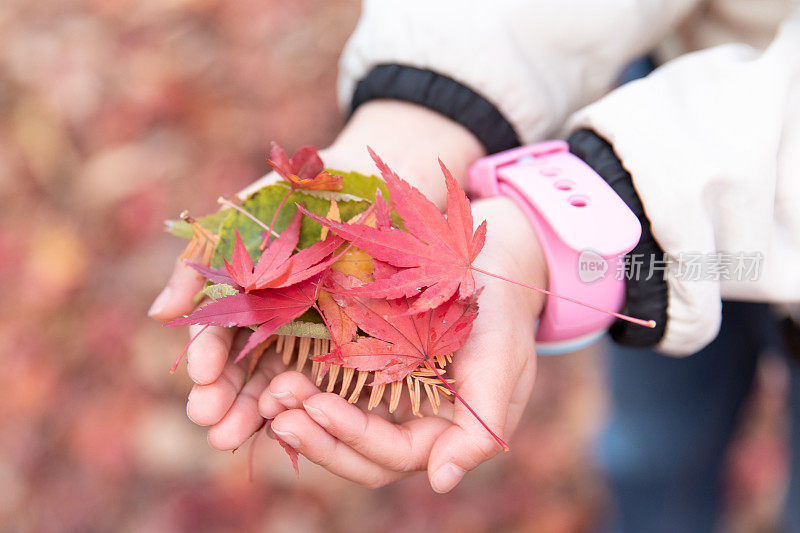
pixel 301 349
pixel 202 244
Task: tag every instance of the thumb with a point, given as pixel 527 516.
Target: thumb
pixel 495 376
pixel 177 298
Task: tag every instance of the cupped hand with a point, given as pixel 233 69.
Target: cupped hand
pixel 234 407
pixel 409 138
pixel 494 372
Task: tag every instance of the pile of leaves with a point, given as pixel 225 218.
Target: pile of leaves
pixel 369 267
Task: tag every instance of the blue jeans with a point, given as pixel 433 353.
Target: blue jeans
pixel 672 419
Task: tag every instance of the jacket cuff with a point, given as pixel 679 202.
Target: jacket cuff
pixel 442 94
pixel 645 284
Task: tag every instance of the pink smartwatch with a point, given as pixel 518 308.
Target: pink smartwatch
pixel 585 230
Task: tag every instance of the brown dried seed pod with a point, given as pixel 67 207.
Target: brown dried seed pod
pixel 288 349
pixel 394 396
pixel 302 352
pixel 376 396
pixel 429 394
pixel 362 379
pixel 347 376
pixel 279 343
pixel 333 373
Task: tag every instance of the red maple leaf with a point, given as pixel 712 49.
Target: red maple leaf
pixel 342 328
pixel 383 216
pixel 271 308
pixel 277 267
pixel 401 341
pixel 291 452
pixel 304 170
pixel 435 253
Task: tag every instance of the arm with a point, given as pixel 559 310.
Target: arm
pixel 534 61
pixel 712 189
pixel 512 53
pixel 506 62
pixel 712 149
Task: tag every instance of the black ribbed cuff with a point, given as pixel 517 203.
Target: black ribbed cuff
pixel 791 336
pixel 646 288
pixel 442 94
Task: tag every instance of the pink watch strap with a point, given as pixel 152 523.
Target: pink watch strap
pixel 585 230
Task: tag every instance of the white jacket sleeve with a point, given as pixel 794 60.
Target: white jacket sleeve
pixel 537 61
pixel 712 142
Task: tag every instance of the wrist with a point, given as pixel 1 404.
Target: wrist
pixel 409 138
pixel 447 96
pixel 584 229
pixel 512 249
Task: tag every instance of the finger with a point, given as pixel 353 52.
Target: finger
pixel 489 368
pixel 298 430
pixel 208 353
pixel 402 448
pixel 268 405
pixel 177 297
pixel 242 419
pixel 291 388
pixel 207 404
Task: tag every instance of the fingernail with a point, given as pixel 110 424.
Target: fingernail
pixel 289 438
pixel 188 415
pixel 447 477
pixel 159 302
pixel 191 374
pixel 316 415
pixel 286 399
pixel 190 367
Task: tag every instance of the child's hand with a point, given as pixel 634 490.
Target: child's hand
pixel 409 138
pixel 494 372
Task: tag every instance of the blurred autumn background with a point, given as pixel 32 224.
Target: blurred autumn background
pixel 118 114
